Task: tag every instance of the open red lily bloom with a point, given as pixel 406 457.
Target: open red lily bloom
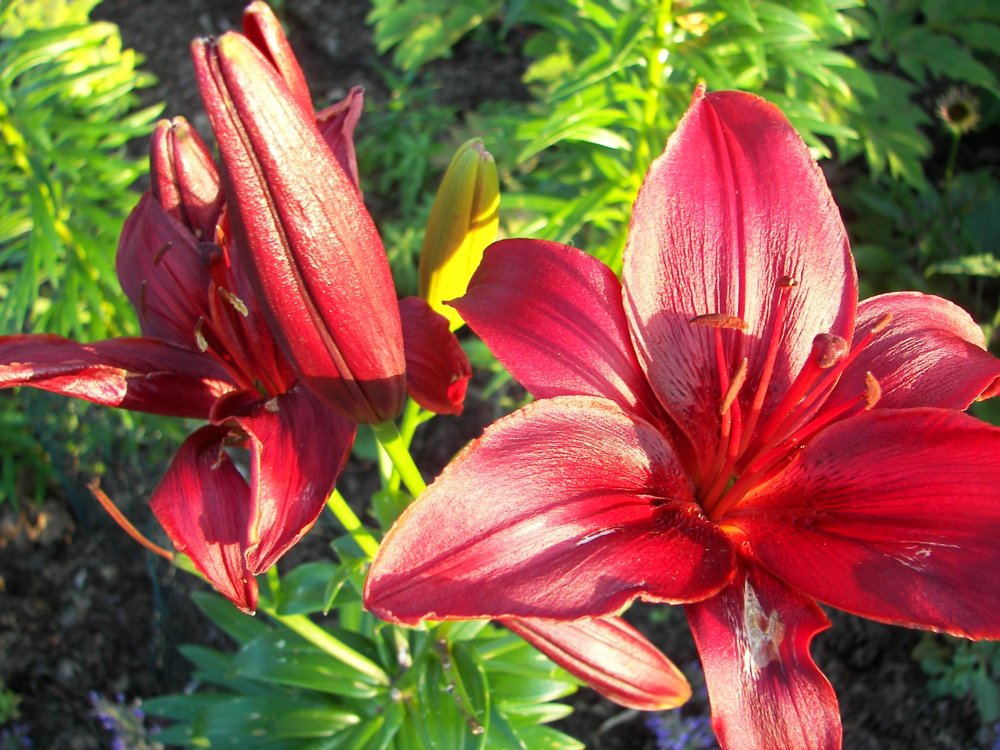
pixel 210 350
pixel 727 428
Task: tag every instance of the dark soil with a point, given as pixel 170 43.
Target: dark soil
pixel 83 608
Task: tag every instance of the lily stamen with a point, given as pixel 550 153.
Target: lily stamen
pixel 118 517
pixel 718 322
pixel 783 291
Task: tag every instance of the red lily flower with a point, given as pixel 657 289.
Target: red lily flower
pixel 727 428
pixel 206 353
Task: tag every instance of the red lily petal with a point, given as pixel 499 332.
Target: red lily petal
pixel 263 28
pixel 437 370
pixel 298 448
pixel 932 353
pixel 336 124
pixel 612 657
pixel 137 374
pixel 553 316
pixel 163 270
pixel 893 515
pixel 183 177
pixel 205 507
pixel 308 243
pixel 766 692
pixel 733 206
pixel 568 508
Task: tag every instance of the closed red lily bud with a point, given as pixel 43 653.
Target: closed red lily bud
pixel 310 248
pixel 183 177
pixel 263 28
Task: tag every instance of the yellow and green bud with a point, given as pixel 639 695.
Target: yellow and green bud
pixel 463 221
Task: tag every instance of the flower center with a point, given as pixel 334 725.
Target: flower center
pixel 753 445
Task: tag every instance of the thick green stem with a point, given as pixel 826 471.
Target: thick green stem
pixel 413 416
pixel 392 442
pixel 351 523
pixel 325 641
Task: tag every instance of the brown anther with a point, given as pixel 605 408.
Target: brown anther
pixel 873 391
pixel 718 320
pixel 739 377
pixel 882 323
pixel 238 304
pixel 787 282
pixel 199 336
pixel 161 252
pixel 143 307
pixel 829 349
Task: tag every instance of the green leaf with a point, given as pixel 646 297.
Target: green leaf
pixel 986 264
pixel 317 587
pixel 987 696
pixel 547 738
pixel 250 721
pixel 742 11
pixel 284 658
pixel 446 717
pixel 238 626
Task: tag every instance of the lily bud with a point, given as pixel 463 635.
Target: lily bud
pixel 463 221
pixel 263 29
pixel 183 177
pixel 312 252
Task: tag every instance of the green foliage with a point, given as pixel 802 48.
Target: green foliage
pixel 917 44
pixel 9 702
pixel 963 669
pixel 932 239
pixel 611 78
pixel 454 686
pixel 67 108
pixel 421 32
pixel 66 101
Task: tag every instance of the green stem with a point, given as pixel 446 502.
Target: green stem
pixel 326 642
pixel 392 442
pixel 413 416
pixel 949 172
pixel 351 523
pixel 412 419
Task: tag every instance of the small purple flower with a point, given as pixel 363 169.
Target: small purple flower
pixel 673 730
pixel 124 721
pixel 17 736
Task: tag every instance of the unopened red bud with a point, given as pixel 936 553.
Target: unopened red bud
pixel 183 177
pixel 300 229
pixel 263 29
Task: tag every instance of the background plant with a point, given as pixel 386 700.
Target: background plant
pixel 68 106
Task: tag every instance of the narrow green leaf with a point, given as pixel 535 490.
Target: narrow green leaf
pixel 284 658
